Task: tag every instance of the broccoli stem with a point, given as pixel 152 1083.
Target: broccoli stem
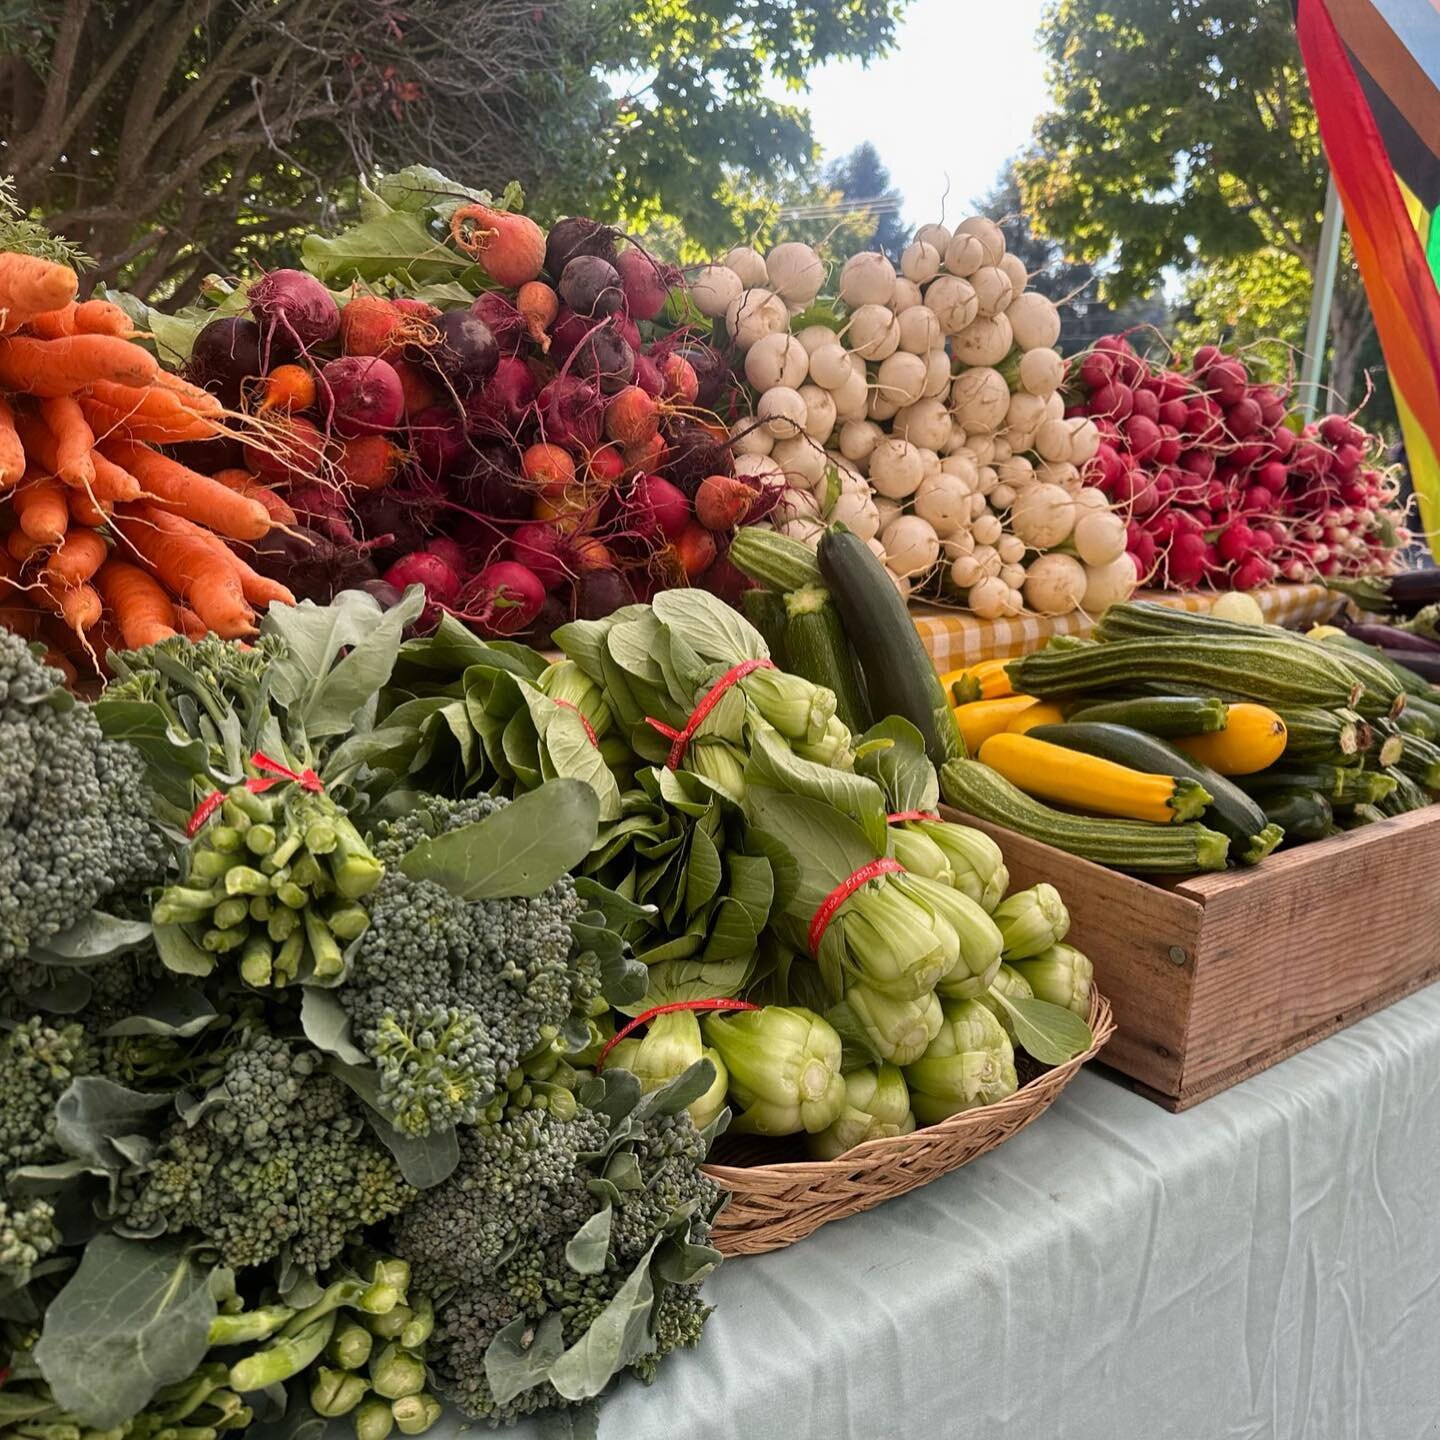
pixel 287 1357
pixel 324 952
pixel 249 1325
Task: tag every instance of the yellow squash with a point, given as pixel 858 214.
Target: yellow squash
pixel 1253 739
pixel 980 719
pixel 1043 712
pixel 985 680
pixel 1089 784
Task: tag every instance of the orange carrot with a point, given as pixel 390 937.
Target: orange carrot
pixel 80 554
pixel 79 605
pixel 138 601
pixel 20 547
pixel 60 367
pixel 106 420
pixel 12 452
pixel 102 317
pixel 244 483
pixel 188 568
pixel 54 324
pixel 30 287
pixel 39 503
pixel 258 589
pixel 170 398
pixel 288 387
pixel 74 440
pixel 192 397
pixel 112 482
pixel 192 627
pixel 86 508
pixel 182 491
pixel 56 660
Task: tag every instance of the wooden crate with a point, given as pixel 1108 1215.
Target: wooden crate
pixel 1215 977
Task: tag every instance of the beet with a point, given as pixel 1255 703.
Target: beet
pixel 655 508
pixel 489 484
pixel 605 358
pixel 541 548
pixel 556 611
pixel 209 456
pixel 510 597
pixel 383 591
pixel 694 454
pixel 225 355
pixel 711 371
pixel 579 235
pixel 437 436
pixel 600 593
pixel 465 353
pixel 360 395
pixel 648 376
pixel 396 519
pixel 646 283
pixel 591 286
pixel 502 319
pixel 292 451
pixel 501 407
pixel 567 332
pixel 316 564
pixel 289 304
pixel 571 413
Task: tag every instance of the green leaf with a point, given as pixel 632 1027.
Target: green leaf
pixel 827 847
pixel 169 1009
pixel 94 1113
pixel 326 1024
pixel 703 872
pixel 171 757
pixel 135 1316
pixel 773 764
pixel 178 952
pixel 900 768
pixel 519 851
pixel 589 1247
pixel 95 936
pixel 617 1337
pixel 421 187
pixel 394 244
pixel 1049 1032
pixel 673 980
pixel 682 1262
pixel 424 1160
pixel 709 626
pixel 515 1364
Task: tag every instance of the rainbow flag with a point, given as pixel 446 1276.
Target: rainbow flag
pixel 1374 68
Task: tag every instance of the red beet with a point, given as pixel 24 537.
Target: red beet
pixel 510 595
pixel 292 304
pixel 360 395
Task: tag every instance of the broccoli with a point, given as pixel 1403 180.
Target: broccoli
pixel 279 1160
pixel 37 1064
pixel 74 809
pixel 450 997
pixel 28 1234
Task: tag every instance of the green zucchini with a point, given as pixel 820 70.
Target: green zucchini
pixel 1406 796
pixel 816 648
pixel 1419 706
pixel 1160 715
pixel 1358 815
pixel 776 562
pixel 1368 662
pixel 899 676
pixel 1301 814
pixel 1413 720
pixel 765 610
pixel 1231 810
pixel 1340 784
pixel 1420 760
pixel 1311 733
pixel 1134 845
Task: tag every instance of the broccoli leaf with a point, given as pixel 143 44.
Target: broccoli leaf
pixel 589 1246
pixel 617 1337
pixel 95 936
pixel 180 1010
pixel 106 1124
pixel 134 1317
pixel 513 1366
pixel 424 1160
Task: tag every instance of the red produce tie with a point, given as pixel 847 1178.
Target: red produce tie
pixel 307 780
pixel 589 728
pixel 900 815
pixel 842 892
pixel 648 1015
pixel 682 738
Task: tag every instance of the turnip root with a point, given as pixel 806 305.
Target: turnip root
pixel 1042 371
pixel 830 365
pixel 911 546
pixel 905 297
pixel 985 526
pixel 765 470
pixel 989 598
pixel 1107 585
pixel 992 289
pixel 954 302
pixel 874 332
pixel 1099 535
pixel 964 468
pixel 1000 448
pixel 964 255
pixel 856 510
pixel 920 261
pixel 1014 267
pixel 920 331
pixel 943 501
pixel 749 265
pixel 1014 575
pixel 1042 516
pixel 896 468
pixel 926 423
pixel 965 571
pixel 982 445
pixel 1055 406
pixel 1002 496
pixel 795 273
pixel 816 337
pixel 877 407
pixel 783 412
pixel 1034 320
pixel 1010 549
pixel 750 438
pixel 900 378
pixel 1024 416
pixel 985 341
pixel 1052 441
pixel 1016 471
pixel 937 374
pixel 980 399
pixel 1058 472
pixel 1054 584
pixel 1084 440
pixel 851 398
pixel 867 279
pixel 755 313
pixel 802 460
pixel 858 439
pixel 778 359
pixel 988 233
pixel 987 558
pixel 886 508
pixel 715 289
pixel 820 411
pixel 933 234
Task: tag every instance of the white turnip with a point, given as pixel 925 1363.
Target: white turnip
pixel 755 313
pixel 830 365
pixel 980 399
pixel 900 378
pixel 920 261
pixel 992 289
pixel 954 302
pixel 1054 584
pixel 964 255
pixel 925 423
pixel 749 264
pixel 985 341
pixel 1002 495
pixel 1016 471
pixel 937 373
pixel 858 439
pixel 1042 371
pixel 1010 548
pixel 920 331
pixel 989 598
pixel 896 468
pixel 856 510
pixel 802 460
pixel 795 272
pixel 1052 441
pixel 1107 585
pixel 765 470
pixel 933 234
pixel 867 279
pixel 905 296
pixel 943 502
pixel 1034 320
pixel 964 468
pixel 988 233
pixel 748 437
pixel 850 398
pixel 1013 575
pixel 778 359
pixel 783 412
pixel 965 571
pixel 877 407
pixel 1058 472
pixel 1014 267
pixel 911 546
pixel 985 527
pixel 1042 516
pixel 873 332
pixel 820 411
pixel 1099 535
pixel 886 509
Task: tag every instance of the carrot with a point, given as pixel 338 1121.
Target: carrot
pixel 182 491
pixel 54 324
pixel 79 605
pixel 30 287
pixel 112 482
pixel 191 397
pixel 12 452
pixel 74 440
pixel 127 425
pixel 244 483
pixel 192 627
pixel 258 589
pixel 80 554
pixel 188 568
pixel 103 317
pixel 138 601
pixel 20 547
pixel 39 503
pixel 86 508
pixel 60 367
pixel 288 387
pixel 170 398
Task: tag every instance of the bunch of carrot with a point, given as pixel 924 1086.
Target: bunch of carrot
pixel 104 540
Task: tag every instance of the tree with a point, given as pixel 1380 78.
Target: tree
pixel 870 201
pixel 1183 136
pixel 174 137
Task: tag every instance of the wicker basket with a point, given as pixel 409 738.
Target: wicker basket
pixel 775 1201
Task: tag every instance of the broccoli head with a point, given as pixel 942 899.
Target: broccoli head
pixel 449 997
pixel 74 808
pixel 38 1061
pixel 28 1234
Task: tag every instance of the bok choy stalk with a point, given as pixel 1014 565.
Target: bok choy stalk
pixel 784 1065
pixel 877 1105
pixel 976 865
pixel 897 1030
pixel 567 684
pixel 1031 921
pixel 1010 983
pixel 669 1047
pixel 1061 975
pixel 969 1063
pixel 920 855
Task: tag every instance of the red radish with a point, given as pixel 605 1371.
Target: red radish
pixel 1206 356
pixel 1143 435
pixel 1253 572
pixel 1115 400
pixel 1283 442
pixel 1189 560
pixel 1147 405
pixel 1235 542
pixel 510 247
pixel 1272 407
pixel 296 307
pixel 632 417
pixel 539 305
pixel 293 449
pixel 361 395
pixel 1244 418
pixel 1097 369
pixel 1141 545
pixel 657 501
pixel 722 502
pixel 695 550
pixel 542 549
pixel 1200 463
pixel 369 462
pixel 1174 413
pixel 368 324
pixel 549 468
pixel 509 596
pixel 1167 452
pixel 681 382
pixel 1338 430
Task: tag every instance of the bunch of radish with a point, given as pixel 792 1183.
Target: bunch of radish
pixel 1222 487
pixel 547 451
pixel 921 406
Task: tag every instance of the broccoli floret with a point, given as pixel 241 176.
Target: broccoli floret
pixel 37 1063
pixel 280 1160
pixel 28 1234
pixel 74 808
pixel 449 997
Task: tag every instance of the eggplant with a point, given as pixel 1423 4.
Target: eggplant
pixel 1387 637
pixel 1425 666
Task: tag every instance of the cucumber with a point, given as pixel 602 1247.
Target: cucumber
pixel 1332 736
pixel 1231 810
pixel 1301 814
pixel 776 562
pixel 1133 845
pixel 1162 715
pixel 899 677
pixel 816 648
pixel 765 610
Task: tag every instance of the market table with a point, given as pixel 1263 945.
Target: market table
pixel 1264 1267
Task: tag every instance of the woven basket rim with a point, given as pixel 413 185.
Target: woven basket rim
pixel 873 1154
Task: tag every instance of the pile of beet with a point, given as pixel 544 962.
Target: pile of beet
pixel 1223 487
pixel 552 450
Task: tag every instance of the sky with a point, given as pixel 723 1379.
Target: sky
pixel 954 100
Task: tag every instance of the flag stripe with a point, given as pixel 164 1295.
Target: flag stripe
pixel 1410 157
pixel 1392 68
pixel 1414 24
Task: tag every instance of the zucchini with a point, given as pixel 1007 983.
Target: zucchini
pixel 1132 845
pixel 816 648
pixel 1341 785
pixel 1271 675
pixel 776 562
pixel 1253 737
pixel 1231 810
pixel 765 610
pixel 1358 815
pixel 1301 814
pixel 1419 759
pixel 1406 796
pixel 985 680
pixel 1041 712
pixel 1042 763
pixel 899 676
pixel 1312 733
pixel 1159 715
pixel 1415 720
pixel 1374 668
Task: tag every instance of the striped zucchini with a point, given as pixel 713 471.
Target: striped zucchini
pixel 1132 845
pixel 1415 720
pixel 1272 675
pixel 1314 734
pixel 1341 785
pixel 1406 796
pixel 1420 760
pixel 773 560
pixel 1358 815
pixel 1163 715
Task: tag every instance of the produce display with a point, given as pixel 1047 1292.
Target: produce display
pixel 1177 742
pixel 1222 486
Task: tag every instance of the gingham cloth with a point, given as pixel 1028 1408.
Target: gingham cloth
pixel 955 639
